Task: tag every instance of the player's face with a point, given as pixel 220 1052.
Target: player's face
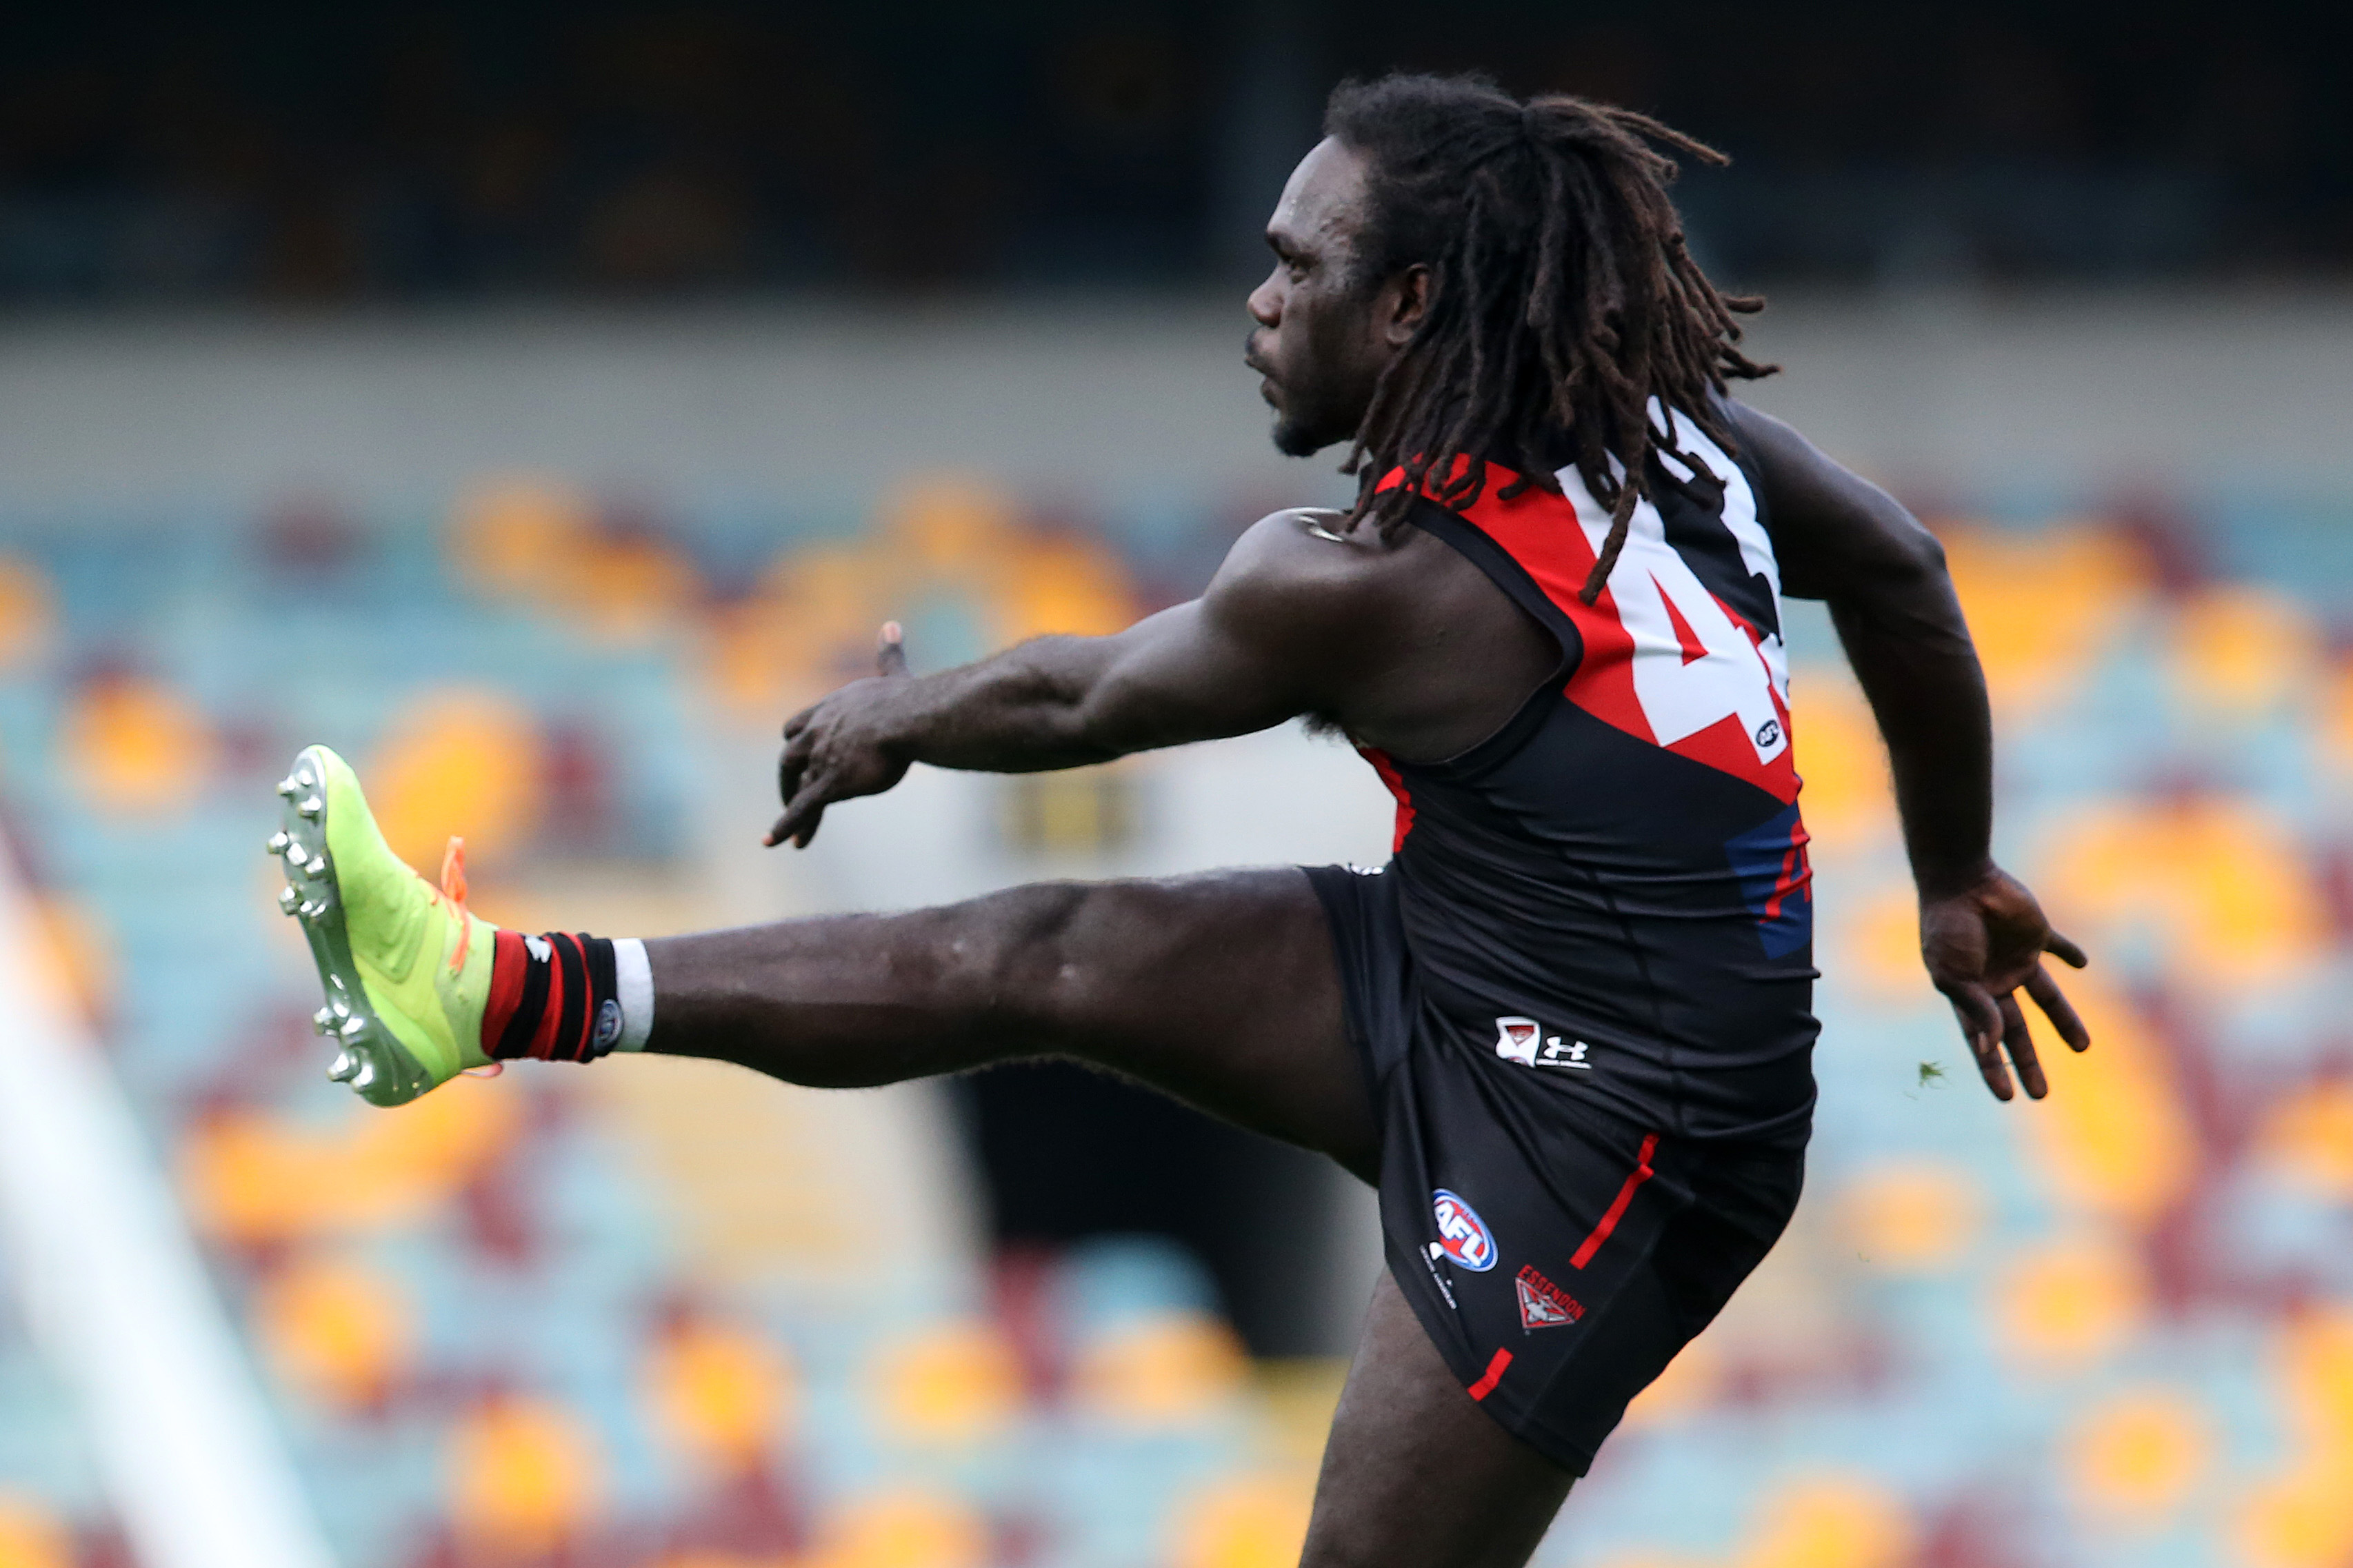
pixel 1323 333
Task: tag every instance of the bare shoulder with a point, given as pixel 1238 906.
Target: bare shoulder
pixel 1829 524
pixel 1777 448
pixel 1314 567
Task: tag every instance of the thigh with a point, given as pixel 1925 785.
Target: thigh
pixel 1222 989
pixel 1416 1475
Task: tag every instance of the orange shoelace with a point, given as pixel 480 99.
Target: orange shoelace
pixel 453 893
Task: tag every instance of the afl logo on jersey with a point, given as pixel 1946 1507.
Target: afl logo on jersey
pixel 1463 1236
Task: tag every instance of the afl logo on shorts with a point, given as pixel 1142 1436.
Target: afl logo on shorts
pixel 1463 1236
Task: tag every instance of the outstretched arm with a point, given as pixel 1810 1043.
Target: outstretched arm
pixel 1261 645
pixel 1982 935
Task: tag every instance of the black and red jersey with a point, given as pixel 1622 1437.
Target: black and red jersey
pixel 1613 891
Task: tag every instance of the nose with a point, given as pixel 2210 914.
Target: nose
pixel 1266 303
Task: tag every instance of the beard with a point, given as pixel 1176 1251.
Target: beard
pixel 1311 419
pixel 1295 439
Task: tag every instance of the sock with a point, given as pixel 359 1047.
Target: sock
pixel 562 997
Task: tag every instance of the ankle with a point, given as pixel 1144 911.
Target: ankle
pixel 566 996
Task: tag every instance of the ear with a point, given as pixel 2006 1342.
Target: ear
pixel 1408 300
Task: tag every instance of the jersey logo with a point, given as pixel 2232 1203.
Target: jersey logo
pixel 1523 1040
pixel 1463 1236
pixel 1665 660
pixel 1543 1304
pixel 1516 1040
pixel 1560 1052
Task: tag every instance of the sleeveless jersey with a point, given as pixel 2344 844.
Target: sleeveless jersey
pixel 1613 891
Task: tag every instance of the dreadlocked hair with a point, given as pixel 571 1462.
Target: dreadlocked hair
pixel 1562 300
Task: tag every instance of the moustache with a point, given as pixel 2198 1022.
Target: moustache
pixel 1251 359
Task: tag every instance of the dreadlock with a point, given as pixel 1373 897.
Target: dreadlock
pixel 1562 298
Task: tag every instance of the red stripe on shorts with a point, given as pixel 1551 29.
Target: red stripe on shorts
pixel 1642 1173
pixel 1491 1377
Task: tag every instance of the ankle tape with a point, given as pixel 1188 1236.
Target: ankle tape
pixel 552 998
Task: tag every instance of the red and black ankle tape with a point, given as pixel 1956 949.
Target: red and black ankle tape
pixel 552 998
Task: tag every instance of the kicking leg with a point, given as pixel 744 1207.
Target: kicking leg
pixel 1220 989
pixel 1417 1476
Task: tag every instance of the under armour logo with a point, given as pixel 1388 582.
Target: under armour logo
pixel 1560 1052
pixel 540 949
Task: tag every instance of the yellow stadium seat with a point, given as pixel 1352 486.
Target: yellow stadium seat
pixel 2301 1519
pixel 2135 1458
pixel 949 530
pixel 907 1528
pixel 2219 877
pixel 954 1383
pixel 520 537
pixel 2308 1138
pixel 812 623
pixel 1168 1369
pixel 136 745
pixel 630 588
pixel 1913 1216
pixel 2041 607
pixel 2238 648
pixel 1830 1521
pixel 525 1477
pixel 1878 946
pixel 2113 1138
pixel 252 1178
pixel 2302 1515
pixel 1064 584
pixel 725 1395
pixel 1255 1519
pixel 338 1331
pixel 462 760
pixel 2068 1303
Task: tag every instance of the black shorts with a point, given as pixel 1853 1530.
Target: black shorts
pixel 1557 1255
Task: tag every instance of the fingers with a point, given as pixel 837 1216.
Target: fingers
pixel 799 821
pixel 2058 1009
pixel 2067 952
pixel 1983 1027
pixel 793 765
pixel 2019 1043
pixel 891 657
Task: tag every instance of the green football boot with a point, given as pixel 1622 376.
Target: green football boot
pixel 405 967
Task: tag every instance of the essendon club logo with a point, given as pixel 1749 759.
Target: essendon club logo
pixel 1516 1039
pixel 1543 1304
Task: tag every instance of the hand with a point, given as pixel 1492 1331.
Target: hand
pixel 835 750
pixel 1980 946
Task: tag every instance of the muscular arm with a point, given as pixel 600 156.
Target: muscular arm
pixel 1846 541
pixel 1269 640
pixel 1850 543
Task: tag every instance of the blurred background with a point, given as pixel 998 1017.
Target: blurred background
pixel 539 402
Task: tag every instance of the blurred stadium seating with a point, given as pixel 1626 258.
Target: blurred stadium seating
pixel 664 1315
